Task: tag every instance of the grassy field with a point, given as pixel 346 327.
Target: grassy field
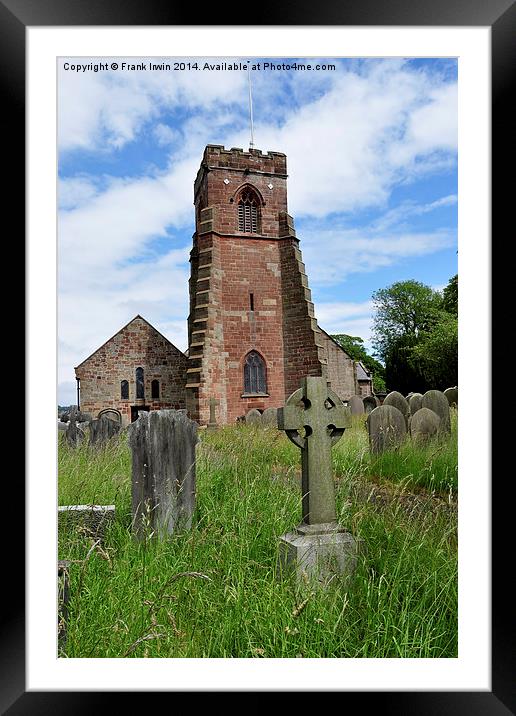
pixel 214 592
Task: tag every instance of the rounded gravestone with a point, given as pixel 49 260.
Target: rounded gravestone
pixel 415 403
pixel 112 414
pixel 270 417
pixel 253 417
pixel 398 401
pixel 356 405
pixel 437 401
pixel 452 396
pixel 387 428
pixel 370 403
pixel 424 424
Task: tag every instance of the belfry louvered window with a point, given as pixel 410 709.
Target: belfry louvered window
pixel 254 374
pixel 248 212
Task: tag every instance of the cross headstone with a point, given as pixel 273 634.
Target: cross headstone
pixel 213 420
pixel 319 412
pixel 163 471
pixel 315 418
pixel 74 434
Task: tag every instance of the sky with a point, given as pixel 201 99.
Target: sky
pixel 371 149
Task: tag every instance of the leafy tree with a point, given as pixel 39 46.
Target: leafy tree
pixel 451 296
pixel 405 309
pixel 435 356
pixel 354 347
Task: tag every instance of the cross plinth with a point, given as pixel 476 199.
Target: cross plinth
pixel 314 418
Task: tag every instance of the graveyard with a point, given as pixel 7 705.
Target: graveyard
pixel 214 586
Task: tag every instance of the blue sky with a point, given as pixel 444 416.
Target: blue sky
pixel 372 159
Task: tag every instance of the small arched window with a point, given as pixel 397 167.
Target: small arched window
pixel 155 389
pixel 140 387
pixel 124 390
pixel 254 374
pixel 248 212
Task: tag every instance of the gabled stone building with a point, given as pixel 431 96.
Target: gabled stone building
pixel 252 331
pixel 136 369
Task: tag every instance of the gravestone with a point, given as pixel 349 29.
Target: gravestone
pixel 437 401
pixel 370 403
pixel 163 472
pixel 95 519
pixel 270 417
pixel 74 434
pixel 415 402
pixel 213 420
pixel 103 430
pixel 424 424
pixel 61 426
pixel 112 414
pixel 253 417
pixel 319 550
pixel 63 599
pixel 398 401
pixel 452 396
pixel 387 428
pixel 356 405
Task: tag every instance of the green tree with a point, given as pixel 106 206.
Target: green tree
pixel 451 296
pixel 435 357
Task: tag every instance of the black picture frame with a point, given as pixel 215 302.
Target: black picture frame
pixel 500 16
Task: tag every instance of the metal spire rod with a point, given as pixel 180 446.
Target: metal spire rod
pixel 251 143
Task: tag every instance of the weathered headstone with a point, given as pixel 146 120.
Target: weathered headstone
pixel 103 430
pixel 415 403
pixel 63 599
pixel 213 420
pixel 424 424
pixel 163 472
pixel 398 401
pixel 95 519
pixel 74 434
pixel 356 405
pixel 314 418
pixel 112 414
pixel 452 395
pixel 437 401
pixel 270 417
pixel 61 426
pixel 387 428
pixel 370 403
pixel 253 417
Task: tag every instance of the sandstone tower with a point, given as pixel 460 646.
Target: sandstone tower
pixel 252 333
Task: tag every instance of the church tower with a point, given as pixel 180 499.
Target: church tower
pixel 252 334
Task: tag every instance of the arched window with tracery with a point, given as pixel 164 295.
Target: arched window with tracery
pixel 249 212
pixel 140 386
pixel 124 390
pixel 255 378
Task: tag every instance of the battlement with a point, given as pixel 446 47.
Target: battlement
pixel 217 156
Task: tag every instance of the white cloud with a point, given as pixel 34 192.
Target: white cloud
pixel 353 319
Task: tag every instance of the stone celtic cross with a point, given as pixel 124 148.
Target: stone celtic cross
pixel 320 413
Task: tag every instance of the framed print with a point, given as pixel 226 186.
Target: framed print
pixel 66 48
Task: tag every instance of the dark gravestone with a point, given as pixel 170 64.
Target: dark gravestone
pixel 356 405
pixel 398 401
pixel 103 430
pixel 314 418
pixel 63 599
pixel 112 414
pixel 452 396
pixel 415 403
pixel 74 434
pixel 424 424
pixel 370 403
pixel 163 472
pixel 387 428
pixel 253 417
pixel 437 401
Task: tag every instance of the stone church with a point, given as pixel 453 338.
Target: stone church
pixel 252 332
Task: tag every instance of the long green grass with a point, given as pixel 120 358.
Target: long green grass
pixel 214 591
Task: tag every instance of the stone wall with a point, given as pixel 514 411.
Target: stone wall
pixel 136 345
pixel 341 368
